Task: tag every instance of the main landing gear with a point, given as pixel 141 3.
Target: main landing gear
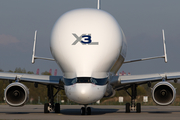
pixel 85 110
pixel 48 107
pixel 133 106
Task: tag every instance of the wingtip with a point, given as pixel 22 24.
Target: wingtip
pixel 164 43
pixel 34 47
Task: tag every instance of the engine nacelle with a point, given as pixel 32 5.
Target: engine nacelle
pixel 110 92
pixel 16 94
pixel 163 93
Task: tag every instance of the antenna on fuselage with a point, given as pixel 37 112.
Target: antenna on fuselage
pixel 98 4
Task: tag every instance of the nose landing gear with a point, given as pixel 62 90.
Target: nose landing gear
pixel 85 110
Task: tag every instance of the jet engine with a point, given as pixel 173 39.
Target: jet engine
pixel 163 93
pixel 16 94
pixel 110 92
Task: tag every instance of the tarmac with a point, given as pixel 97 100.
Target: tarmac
pixel 99 112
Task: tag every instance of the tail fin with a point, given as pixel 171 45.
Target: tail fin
pixel 98 4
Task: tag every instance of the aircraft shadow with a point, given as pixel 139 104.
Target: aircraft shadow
pixel 20 112
pixel 161 112
pixel 94 111
pixel 16 112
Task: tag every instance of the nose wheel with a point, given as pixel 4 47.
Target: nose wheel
pixel 88 111
pixel 85 110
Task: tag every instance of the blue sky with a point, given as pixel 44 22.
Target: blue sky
pixel 141 21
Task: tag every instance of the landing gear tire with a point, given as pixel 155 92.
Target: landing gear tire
pixel 46 105
pixel 57 108
pixel 138 107
pixel 82 111
pixel 133 105
pixel 127 107
pixel 49 107
pixel 88 111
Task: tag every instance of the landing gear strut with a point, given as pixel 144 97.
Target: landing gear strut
pixel 133 105
pixel 48 107
pixel 85 110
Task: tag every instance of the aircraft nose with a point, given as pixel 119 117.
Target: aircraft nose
pixel 85 93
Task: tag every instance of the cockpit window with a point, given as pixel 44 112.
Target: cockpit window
pixel 69 81
pixel 83 80
pixel 86 80
pixel 99 81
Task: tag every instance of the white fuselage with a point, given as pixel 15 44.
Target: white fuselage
pixel 87 43
pixel 85 93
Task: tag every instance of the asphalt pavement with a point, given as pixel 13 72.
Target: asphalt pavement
pixel 99 112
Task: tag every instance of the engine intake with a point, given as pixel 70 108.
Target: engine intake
pixel 163 93
pixel 16 94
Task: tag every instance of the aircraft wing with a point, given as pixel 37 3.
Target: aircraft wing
pixel 120 82
pixel 41 79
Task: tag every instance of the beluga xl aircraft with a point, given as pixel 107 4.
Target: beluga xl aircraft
pixel 90 47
